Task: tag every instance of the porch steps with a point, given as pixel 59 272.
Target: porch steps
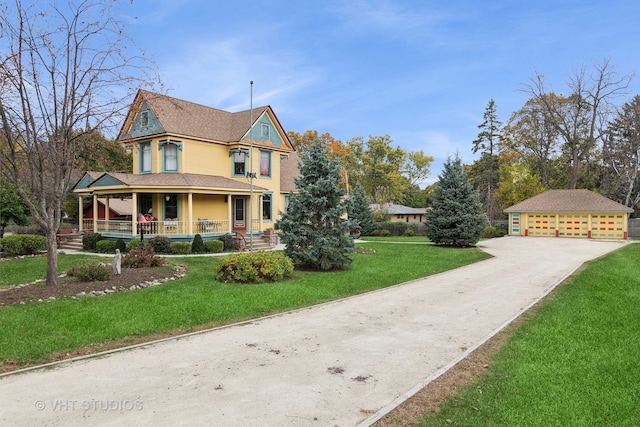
pixel 70 242
pixel 260 243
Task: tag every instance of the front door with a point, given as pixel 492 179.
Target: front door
pixel 239 214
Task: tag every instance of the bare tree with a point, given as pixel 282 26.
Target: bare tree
pixel 580 120
pixel 63 68
pixel 621 155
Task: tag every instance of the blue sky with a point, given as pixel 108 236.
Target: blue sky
pixel 419 71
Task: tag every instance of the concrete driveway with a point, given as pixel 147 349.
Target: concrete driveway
pixel 338 364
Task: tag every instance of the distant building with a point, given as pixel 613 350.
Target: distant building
pixel 401 213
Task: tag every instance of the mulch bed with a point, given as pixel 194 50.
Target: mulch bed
pixel 69 287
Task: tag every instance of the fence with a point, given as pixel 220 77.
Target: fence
pixel 634 227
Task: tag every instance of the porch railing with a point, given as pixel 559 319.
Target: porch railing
pixel 162 228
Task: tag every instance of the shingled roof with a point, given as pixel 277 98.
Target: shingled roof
pixel 174 180
pixel 186 118
pixel 568 201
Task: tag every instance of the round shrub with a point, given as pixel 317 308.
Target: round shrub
pixel 227 239
pixel 257 267
pixel 89 241
pixel 106 246
pixel 409 232
pixel 197 246
pixel 214 246
pixel 134 244
pixel 24 244
pixel 385 233
pixel 142 257
pixel 161 244
pixel 489 232
pixel 181 248
pixel 90 273
pixel 121 245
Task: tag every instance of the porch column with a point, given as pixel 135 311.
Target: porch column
pixel 95 213
pixel 230 213
pixel 134 213
pixel 260 225
pixel 80 214
pixel 190 213
pixel 106 209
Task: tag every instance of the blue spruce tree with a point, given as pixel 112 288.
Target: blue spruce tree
pixel 314 228
pixel 457 217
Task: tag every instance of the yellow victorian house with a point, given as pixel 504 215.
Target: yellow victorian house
pixel 196 170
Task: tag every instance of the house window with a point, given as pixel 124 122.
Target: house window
pixel 239 167
pixel 170 157
pixel 144 119
pixel 287 200
pixel 266 207
pixel 266 130
pixel 145 157
pixel 265 164
pixel 171 206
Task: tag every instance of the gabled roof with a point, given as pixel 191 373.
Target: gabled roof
pixel 118 206
pixel 568 201
pixel 398 209
pixel 289 171
pixel 171 180
pixel 180 117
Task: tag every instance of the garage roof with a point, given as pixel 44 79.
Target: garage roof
pixel 568 201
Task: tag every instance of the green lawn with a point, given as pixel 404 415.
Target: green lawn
pixel 575 363
pixel 395 239
pixel 29 269
pixel 32 332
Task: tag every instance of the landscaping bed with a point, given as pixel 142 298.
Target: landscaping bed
pixel 70 287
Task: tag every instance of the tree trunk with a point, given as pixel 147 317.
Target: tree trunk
pixel 52 257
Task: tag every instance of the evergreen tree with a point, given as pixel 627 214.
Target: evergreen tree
pixel 487 143
pixel 314 228
pixel 359 211
pixel 457 217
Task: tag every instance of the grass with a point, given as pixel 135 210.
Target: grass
pixel 575 363
pixel 396 239
pixel 24 270
pixel 32 333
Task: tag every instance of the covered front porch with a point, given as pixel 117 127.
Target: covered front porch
pixel 179 209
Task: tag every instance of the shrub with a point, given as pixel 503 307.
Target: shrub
pixel 197 246
pixel 24 244
pixel 142 257
pixel 134 243
pixel 409 232
pixel 105 246
pixel 489 232
pixel 90 273
pixel 0 245
pixel 121 245
pixel 181 248
pixel 213 246
pixel 227 240
pixel 385 233
pixel 89 241
pixel 161 244
pixel 255 267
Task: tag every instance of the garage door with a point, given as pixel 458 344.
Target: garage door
pixel 573 225
pixel 541 225
pixel 607 226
